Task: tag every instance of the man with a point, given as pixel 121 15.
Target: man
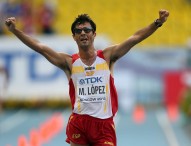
pixel 90 75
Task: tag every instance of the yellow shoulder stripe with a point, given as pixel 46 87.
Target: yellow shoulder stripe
pixel 102 66
pixel 77 69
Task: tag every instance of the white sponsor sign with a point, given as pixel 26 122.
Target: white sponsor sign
pixel 30 75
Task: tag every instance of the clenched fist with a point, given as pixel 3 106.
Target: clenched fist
pixel 163 15
pixel 10 23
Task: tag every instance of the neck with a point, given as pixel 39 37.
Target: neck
pixel 87 53
pixel 87 56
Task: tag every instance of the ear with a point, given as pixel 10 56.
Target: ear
pixel 94 34
pixel 74 37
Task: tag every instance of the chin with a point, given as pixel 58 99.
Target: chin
pixel 85 47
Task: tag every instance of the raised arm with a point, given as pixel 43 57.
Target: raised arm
pixel 117 51
pixel 59 59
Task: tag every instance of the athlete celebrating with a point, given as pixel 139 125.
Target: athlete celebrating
pixel 90 75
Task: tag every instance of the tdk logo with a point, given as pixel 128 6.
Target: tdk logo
pixel 91 80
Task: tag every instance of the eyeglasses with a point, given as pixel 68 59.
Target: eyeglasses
pixel 85 29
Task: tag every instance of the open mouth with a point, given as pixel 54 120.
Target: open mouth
pixel 83 39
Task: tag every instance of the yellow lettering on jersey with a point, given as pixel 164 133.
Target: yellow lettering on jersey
pixel 89 73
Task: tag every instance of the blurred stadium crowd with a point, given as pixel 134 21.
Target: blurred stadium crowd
pixel 118 19
pixel 32 18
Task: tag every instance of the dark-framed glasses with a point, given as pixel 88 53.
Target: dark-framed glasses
pixel 85 29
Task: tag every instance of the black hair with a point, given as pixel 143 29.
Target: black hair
pixel 82 19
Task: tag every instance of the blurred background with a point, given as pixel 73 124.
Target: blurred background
pixel 153 80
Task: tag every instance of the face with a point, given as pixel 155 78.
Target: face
pixel 84 35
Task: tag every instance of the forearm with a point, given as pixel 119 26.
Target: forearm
pixel 121 49
pixel 27 40
pixel 149 30
pixel 142 34
pixel 137 37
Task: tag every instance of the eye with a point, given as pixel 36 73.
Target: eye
pixel 77 31
pixel 87 30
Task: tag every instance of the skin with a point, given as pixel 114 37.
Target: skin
pixel 85 42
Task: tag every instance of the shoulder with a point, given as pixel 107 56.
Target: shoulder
pixel 107 52
pixel 65 55
pixel 67 64
pixel 65 59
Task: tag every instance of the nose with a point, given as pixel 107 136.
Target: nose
pixel 83 32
